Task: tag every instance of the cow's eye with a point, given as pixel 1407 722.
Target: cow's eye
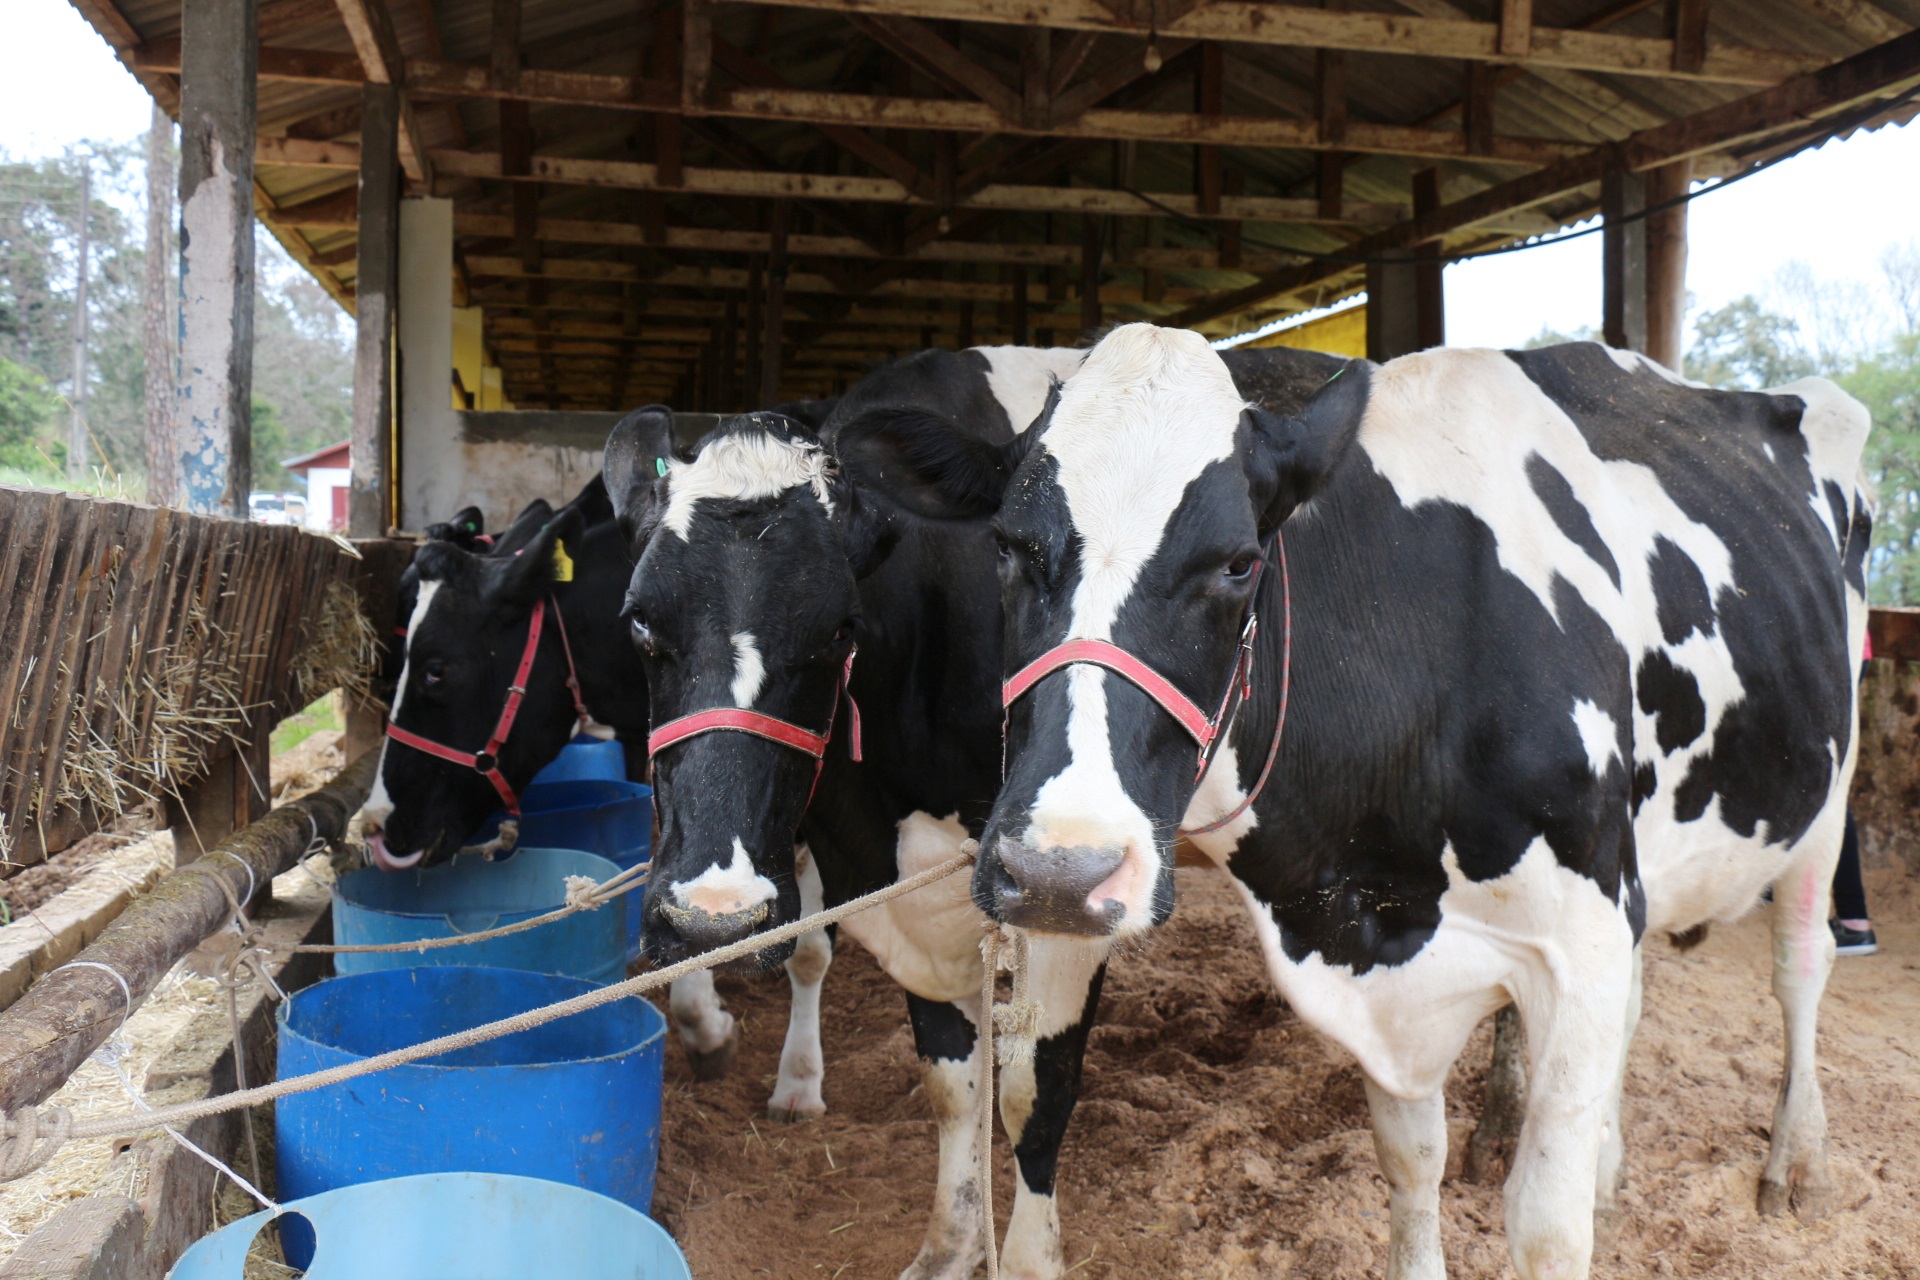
pixel 433 673
pixel 642 633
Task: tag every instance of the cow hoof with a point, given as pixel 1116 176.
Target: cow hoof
pixel 1775 1199
pixel 945 1266
pixel 1809 1199
pixel 792 1110
pixel 713 1064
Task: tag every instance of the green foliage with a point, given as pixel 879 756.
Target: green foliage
pixel 269 446
pixel 1747 346
pixel 1888 383
pixel 29 414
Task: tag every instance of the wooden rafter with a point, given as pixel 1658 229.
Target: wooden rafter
pixel 370 27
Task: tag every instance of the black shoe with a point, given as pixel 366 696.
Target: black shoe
pixel 1853 942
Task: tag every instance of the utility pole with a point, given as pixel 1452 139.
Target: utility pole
pixel 163 467
pixel 77 433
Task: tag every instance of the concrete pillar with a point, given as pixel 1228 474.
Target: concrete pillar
pixel 1393 308
pixel 370 500
pixel 433 467
pixel 219 54
pixel 1667 264
pixel 1623 250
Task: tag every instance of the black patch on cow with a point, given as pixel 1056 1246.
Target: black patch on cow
pixel 1645 780
pixel 940 1031
pixel 1056 1087
pixel 1737 463
pixel 1637 909
pixel 1859 540
pixel 1688 939
pixel 1679 593
pixel 1837 504
pixel 1557 496
pixel 1671 696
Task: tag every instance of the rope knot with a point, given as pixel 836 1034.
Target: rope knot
pixel 30 1137
pixel 583 893
pixel 504 842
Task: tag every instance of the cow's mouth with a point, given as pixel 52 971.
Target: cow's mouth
pixel 377 850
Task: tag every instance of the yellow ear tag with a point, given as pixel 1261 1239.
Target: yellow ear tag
pixel 562 563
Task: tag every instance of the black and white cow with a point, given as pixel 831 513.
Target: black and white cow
pixel 465 636
pixel 759 567
pixel 1573 657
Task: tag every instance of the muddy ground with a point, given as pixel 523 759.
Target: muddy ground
pixel 1217 1137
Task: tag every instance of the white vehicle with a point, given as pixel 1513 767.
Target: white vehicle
pixel 278 508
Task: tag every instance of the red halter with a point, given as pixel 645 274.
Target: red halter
pixel 486 761
pixel 1207 731
pixel 772 728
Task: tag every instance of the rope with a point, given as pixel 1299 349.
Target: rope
pixel 1009 1033
pixel 30 1135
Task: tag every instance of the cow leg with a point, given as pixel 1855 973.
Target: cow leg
pixel 796 1094
pixel 706 1028
pixel 1611 1174
pixel 1575 1022
pixel 1796 1175
pixel 1410 1139
pixel 948 1038
pixel 1490 1150
pixel 1037 1097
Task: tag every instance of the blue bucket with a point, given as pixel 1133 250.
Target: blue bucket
pixel 473 1226
pixel 575 1101
pixel 471 894
pixel 585 759
pixel 611 818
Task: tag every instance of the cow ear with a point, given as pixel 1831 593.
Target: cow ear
pixel 1290 457
pixel 634 468
pixel 925 463
pixel 545 561
pixel 534 517
pixel 868 532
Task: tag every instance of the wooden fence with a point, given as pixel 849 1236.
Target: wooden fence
pixel 140 647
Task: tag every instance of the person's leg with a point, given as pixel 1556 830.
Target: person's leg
pixel 1849 894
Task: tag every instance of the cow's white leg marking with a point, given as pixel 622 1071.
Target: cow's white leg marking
pixel 1796 1174
pixel 1608 1177
pixel 1410 1140
pixel 796 1095
pixel 706 1028
pixel 1575 1012
pixel 1061 970
pixel 956 1230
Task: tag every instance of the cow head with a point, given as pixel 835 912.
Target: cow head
pixel 743 596
pixel 1134 512
pixel 465 531
pixel 465 636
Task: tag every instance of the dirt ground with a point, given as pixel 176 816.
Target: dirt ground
pixel 1217 1137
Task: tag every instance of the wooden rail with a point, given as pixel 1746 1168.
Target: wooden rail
pixel 142 650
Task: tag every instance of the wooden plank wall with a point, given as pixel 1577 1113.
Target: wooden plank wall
pixel 104 607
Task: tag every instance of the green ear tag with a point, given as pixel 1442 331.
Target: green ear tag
pixel 660 466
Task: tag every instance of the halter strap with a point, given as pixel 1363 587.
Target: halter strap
pixel 486 761
pixel 772 728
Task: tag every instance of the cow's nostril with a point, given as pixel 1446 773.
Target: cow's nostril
pixel 1050 890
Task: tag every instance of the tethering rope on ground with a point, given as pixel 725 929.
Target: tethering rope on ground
pixel 30 1136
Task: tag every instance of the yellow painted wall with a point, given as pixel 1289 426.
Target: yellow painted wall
pixel 1343 333
pixel 469 353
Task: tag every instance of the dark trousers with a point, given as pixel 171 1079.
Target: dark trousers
pixel 1849 895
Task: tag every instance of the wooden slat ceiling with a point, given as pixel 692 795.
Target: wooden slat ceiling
pixel 617 166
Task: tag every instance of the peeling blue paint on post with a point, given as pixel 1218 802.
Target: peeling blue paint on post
pixel 213 400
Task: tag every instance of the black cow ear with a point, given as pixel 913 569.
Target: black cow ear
pixel 534 517
pixel 534 569
pixel 926 464
pixel 634 467
pixel 1289 458
pixel 868 533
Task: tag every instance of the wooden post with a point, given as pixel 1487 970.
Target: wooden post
pixel 1667 264
pixel 234 793
pixel 157 306
pixel 1330 108
pixel 1428 281
pixel 1623 249
pixel 370 501
pixel 1209 101
pixel 1021 335
pixel 1036 74
pixel 1093 236
pixel 1393 317
pixel 756 322
pixel 966 324
pixel 776 305
pixel 730 356
pixel 219 55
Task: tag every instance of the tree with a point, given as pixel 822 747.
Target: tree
pixel 1745 345
pixel 28 417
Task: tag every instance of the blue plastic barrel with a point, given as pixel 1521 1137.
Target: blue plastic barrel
pixel 611 818
pixel 585 759
pixel 457 1226
pixel 574 1101
pixel 471 894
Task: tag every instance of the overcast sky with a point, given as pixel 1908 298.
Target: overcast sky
pixel 1837 209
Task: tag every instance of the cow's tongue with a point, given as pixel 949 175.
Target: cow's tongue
pixel 377 846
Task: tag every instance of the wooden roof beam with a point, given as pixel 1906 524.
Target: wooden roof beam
pixel 370 27
pixel 1874 72
pixel 1255 22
